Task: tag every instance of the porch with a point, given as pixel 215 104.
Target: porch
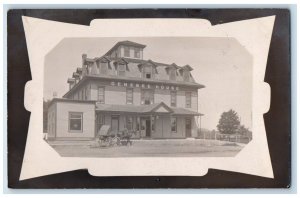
pixel 156 121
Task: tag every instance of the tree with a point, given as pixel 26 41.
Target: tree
pixel 45 114
pixel 229 122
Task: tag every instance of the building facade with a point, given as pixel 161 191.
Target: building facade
pixel 123 90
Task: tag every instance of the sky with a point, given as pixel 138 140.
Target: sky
pixel 222 64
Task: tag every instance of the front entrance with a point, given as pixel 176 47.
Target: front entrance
pixel 145 127
pixel 188 127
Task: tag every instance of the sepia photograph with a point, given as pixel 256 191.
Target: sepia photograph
pixel 148 97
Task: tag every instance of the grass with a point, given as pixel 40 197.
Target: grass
pixel 152 148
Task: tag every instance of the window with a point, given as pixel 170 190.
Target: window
pixel 174 125
pixel 126 51
pixel 147 96
pixel 79 95
pixel 186 75
pixel 172 74
pixel 153 123
pixel 75 122
pixel 129 96
pixel 173 98
pixel 148 72
pixel 188 99
pixel 121 69
pixel 103 68
pixel 129 123
pixel 137 53
pixel 100 121
pixel 101 95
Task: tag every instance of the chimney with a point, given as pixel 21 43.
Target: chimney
pixel 71 82
pixel 84 56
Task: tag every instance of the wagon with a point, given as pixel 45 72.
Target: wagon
pixel 107 138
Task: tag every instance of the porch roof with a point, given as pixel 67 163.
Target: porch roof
pixel 153 108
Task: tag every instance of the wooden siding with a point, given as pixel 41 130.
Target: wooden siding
pixel 88 120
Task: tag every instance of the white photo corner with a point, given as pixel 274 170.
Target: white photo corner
pixel 147 97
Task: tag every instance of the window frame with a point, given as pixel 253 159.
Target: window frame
pixel 188 93
pixel 143 96
pixel 98 100
pixel 137 51
pixel 186 75
pixel 175 118
pixel 124 70
pixel 172 74
pixel 127 94
pixel 171 104
pixel 69 122
pixel 125 51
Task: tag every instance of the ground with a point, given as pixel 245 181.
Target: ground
pixel 150 148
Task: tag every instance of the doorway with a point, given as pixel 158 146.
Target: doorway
pixel 148 128
pixel 188 127
pixel 115 123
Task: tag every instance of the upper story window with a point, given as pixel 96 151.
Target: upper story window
pixel 137 53
pixel 188 99
pixel 103 67
pixel 101 95
pixel 147 96
pixel 173 98
pixel 129 96
pixel 121 69
pixel 147 72
pixel 172 73
pixel 186 75
pixel 126 51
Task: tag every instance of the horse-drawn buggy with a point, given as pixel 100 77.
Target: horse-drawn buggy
pixel 108 138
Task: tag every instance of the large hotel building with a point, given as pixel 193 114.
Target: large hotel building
pixel 123 90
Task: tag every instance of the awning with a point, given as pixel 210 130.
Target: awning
pixel 143 109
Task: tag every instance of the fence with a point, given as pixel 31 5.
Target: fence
pixel 213 135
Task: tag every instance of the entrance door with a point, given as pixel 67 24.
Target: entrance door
pixel 115 123
pixel 148 128
pixel 188 127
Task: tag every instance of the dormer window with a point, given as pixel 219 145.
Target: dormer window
pixel 186 72
pixel 121 69
pixel 147 72
pixel 126 51
pixel 172 74
pixel 186 75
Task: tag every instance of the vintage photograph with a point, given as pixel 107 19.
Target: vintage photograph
pixel 134 97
